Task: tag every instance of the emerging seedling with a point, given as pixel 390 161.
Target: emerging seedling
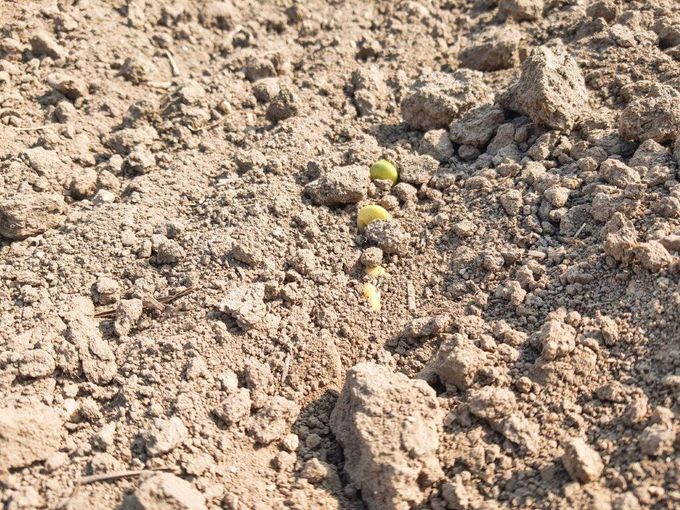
pixel 369 214
pixel 372 295
pixel 383 169
pixel 376 271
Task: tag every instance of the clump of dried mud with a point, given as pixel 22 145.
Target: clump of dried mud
pixel 181 273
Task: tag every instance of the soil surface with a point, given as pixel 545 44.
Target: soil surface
pixel 193 313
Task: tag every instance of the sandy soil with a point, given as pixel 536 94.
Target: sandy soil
pixel 191 316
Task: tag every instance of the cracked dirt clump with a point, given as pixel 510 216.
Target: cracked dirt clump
pixel 387 425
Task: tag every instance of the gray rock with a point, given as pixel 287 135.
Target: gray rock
pixel 286 104
pixel 436 144
pixel 36 363
pixel 371 93
pixel 521 10
pixel 556 339
pixel 235 407
pixel 416 169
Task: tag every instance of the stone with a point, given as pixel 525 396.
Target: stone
pixel 551 89
pixel 128 312
pixel 388 236
pixel 45 162
pixel 83 184
pixel 273 421
pixel 316 471
pixel 245 304
pixel 653 256
pixel 657 439
pixel 169 251
pixel 388 427
pixel 434 100
pixel 341 185
pixel 266 89
pixel 492 403
pixel 165 491
pixel 44 45
pixel 125 140
pixel 436 144
pixel 617 173
pixel 371 256
pixel 259 68
pixel 286 104
pixel 496 49
pixel 464 229
pixel 97 359
pixel 652 116
pixel 36 363
pixel 459 361
pixel 557 196
pixel 620 238
pixel 70 86
pixel 512 202
pixel 477 126
pixel 521 10
pixel 220 15
pixel 405 192
pixel 582 462
pixel 511 291
pixel 164 436
pixel 27 435
pixel 106 290
pixel 235 407
pixel 371 93
pixel 426 326
pixel 137 69
pixel 141 160
pixel 556 339
pixel 520 430
pixel 416 169
pixel 29 214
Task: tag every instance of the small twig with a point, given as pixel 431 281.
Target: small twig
pixel 174 297
pixel 150 303
pixel 579 231
pixel 173 65
pixel 286 367
pixel 84 480
pixel 160 84
pixel 104 477
pixel 411 296
pixel 207 126
pixel 33 128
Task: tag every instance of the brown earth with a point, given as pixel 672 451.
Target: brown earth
pixel 182 279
